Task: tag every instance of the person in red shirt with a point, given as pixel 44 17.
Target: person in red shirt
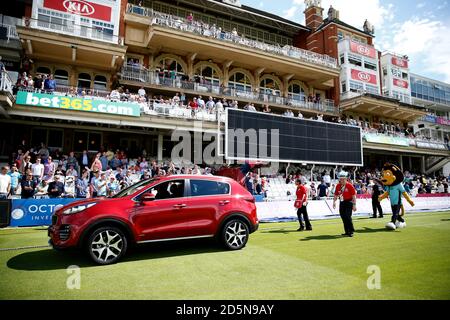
pixel 300 204
pixel 346 193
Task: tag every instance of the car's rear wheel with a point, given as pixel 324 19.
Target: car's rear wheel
pixel 106 245
pixel 235 234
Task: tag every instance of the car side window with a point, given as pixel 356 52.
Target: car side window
pixel 168 190
pixel 208 188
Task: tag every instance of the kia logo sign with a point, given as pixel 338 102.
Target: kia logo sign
pixel 363 50
pixel 398 62
pixel 364 76
pixel 79 7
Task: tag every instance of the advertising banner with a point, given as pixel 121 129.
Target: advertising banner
pixel 363 49
pixel 399 62
pixel 431 145
pixel 77 104
pixel 443 121
pixel 430 118
pixel 81 7
pixel 401 83
pixel 397 141
pixel 35 212
pixel 364 76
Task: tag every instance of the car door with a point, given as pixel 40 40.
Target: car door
pixel 164 217
pixel 207 201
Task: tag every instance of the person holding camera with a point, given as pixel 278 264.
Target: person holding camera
pixel 300 204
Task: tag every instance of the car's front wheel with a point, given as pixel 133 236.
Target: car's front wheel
pixel 106 245
pixel 235 234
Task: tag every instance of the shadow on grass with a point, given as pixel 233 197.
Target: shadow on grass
pixel 323 237
pixel 283 231
pixel 333 237
pixel 369 230
pixel 445 219
pixel 50 259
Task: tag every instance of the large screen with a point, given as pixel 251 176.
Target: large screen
pixel 260 136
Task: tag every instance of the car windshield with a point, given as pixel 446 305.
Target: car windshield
pixel 133 188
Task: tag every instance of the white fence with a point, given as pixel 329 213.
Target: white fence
pixel 323 209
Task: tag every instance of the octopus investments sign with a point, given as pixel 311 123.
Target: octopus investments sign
pixel 77 104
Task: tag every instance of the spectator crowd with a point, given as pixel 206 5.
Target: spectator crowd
pixel 42 174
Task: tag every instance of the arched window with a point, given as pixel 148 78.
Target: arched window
pixel 100 82
pixel 84 81
pixel 296 92
pixel 43 70
pixel 209 75
pixel 171 64
pixel 62 77
pixel 269 86
pixel 240 81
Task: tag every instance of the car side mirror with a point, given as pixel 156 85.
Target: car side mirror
pixel 148 197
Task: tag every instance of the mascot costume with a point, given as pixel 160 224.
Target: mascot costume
pixel 392 178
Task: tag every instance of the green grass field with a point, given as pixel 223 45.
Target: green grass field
pixel 277 263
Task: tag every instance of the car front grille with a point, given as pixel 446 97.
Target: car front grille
pixel 64 232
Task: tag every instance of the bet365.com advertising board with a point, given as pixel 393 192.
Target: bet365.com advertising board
pixel 77 104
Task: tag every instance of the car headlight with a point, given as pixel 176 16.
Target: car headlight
pixel 79 208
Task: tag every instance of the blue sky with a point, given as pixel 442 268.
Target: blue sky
pixel 417 28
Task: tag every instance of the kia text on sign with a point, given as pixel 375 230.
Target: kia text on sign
pixel 402 63
pixel 363 50
pixel 364 76
pixel 80 7
pixel 401 83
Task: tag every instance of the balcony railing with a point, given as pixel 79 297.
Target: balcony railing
pixel 205 30
pixel 10 23
pixel 69 28
pixel 145 76
pixel 6 85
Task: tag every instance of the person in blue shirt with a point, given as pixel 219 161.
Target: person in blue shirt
pixel 15 178
pixel 49 84
pixel 392 178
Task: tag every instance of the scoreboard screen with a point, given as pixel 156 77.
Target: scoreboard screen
pixel 268 137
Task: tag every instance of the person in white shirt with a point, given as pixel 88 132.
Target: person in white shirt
pixel 210 104
pixel 37 170
pixel 300 115
pixel 69 187
pixel 196 170
pixel 5 183
pixel 141 92
pixel 327 179
pixel 42 190
pixel 176 99
pixel 201 102
pixel 219 106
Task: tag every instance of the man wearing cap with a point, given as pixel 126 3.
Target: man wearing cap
pixel 346 193
pixel 55 188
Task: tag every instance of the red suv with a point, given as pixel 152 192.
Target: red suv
pixel 159 209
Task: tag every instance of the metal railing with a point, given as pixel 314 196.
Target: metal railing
pixel 6 84
pixel 203 29
pixel 71 29
pixel 145 76
pixel 10 24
